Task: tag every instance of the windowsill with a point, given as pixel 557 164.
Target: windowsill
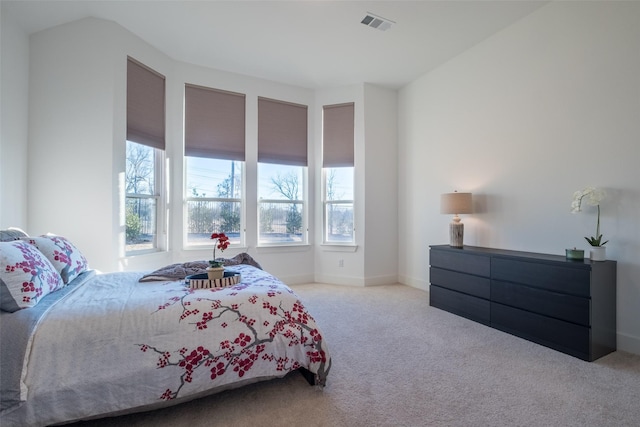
pixel 283 248
pixel 143 253
pixel 210 248
pixel 336 247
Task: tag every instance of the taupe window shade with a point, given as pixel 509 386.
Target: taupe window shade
pixel 282 132
pixel 145 105
pixel 337 135
pixel 214 123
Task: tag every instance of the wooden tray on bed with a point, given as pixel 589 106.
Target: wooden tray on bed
pixel 201 281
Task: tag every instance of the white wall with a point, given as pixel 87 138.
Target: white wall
pixel 547 106
pixel 327 267
pixel 77 128
pixel 381 184
pixel 77 121
pixel 372 260
pixel 14 89
pixel 535 112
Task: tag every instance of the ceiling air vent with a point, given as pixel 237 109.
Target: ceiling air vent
pixel 378 22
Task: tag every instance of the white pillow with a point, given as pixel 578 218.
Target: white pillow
pixel 26 276
pixel 64 256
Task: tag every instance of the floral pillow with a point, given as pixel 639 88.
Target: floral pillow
pixel 62 254
pixel 26 276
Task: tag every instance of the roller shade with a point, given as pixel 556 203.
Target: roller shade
pixel 282 132
pixel 214 122
pixel 145 105
pixel 337 135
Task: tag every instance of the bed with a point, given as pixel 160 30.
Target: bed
pixel 108 344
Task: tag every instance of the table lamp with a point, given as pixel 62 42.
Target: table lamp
pixel 456 203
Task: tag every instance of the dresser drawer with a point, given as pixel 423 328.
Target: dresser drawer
pixel 473 308
pixel 566 305
pixel 574 281
pixel 469 284
pixel 461 262
pixel 561 306
pixel 557 334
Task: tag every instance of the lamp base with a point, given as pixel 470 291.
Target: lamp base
pixel 456 234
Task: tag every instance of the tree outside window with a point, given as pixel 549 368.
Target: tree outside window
pixel 281 204
pixel 141 197
pixel 338 205
pixel 214 200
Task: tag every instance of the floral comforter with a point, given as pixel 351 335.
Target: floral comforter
pixel 115 344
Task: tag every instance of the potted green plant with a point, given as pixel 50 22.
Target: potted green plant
pixel 216 266
pixel 592 196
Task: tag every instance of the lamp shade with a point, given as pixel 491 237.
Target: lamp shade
pixel 456 203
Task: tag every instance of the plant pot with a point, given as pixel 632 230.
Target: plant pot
pixel 214 273
pixel 598 253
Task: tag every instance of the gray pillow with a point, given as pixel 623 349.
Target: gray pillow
pixel 12 233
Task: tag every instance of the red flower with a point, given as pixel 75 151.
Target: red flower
pixel 223 243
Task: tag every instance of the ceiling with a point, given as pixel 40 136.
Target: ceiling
pixel 313 44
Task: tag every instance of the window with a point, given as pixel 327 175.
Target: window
pixel 214 199
pixel 338 173
pixel 143 168
pixel 338 205
pixel 214 162
pixel 144 157
pixel 281 204
pixel 282 172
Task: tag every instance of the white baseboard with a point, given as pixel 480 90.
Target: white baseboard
pixel 413 282
pixel 340 280
pixel 628 343
pixel 297 279
pixel 380 280
pixel 357 281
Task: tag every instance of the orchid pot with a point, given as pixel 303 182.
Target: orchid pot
pixel 215 273
pixel 216 266
pixel 592 196
pixel 598 253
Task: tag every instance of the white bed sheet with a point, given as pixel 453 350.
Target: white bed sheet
pixel 115 344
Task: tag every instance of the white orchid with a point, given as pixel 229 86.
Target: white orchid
pixel 592 196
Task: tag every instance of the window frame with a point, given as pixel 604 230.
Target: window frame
pixel 302 201
pixel 160 197
pixel 338 151
pixel 326 203
pixel 242 200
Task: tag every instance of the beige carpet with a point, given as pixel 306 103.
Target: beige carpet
pixel 399 362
